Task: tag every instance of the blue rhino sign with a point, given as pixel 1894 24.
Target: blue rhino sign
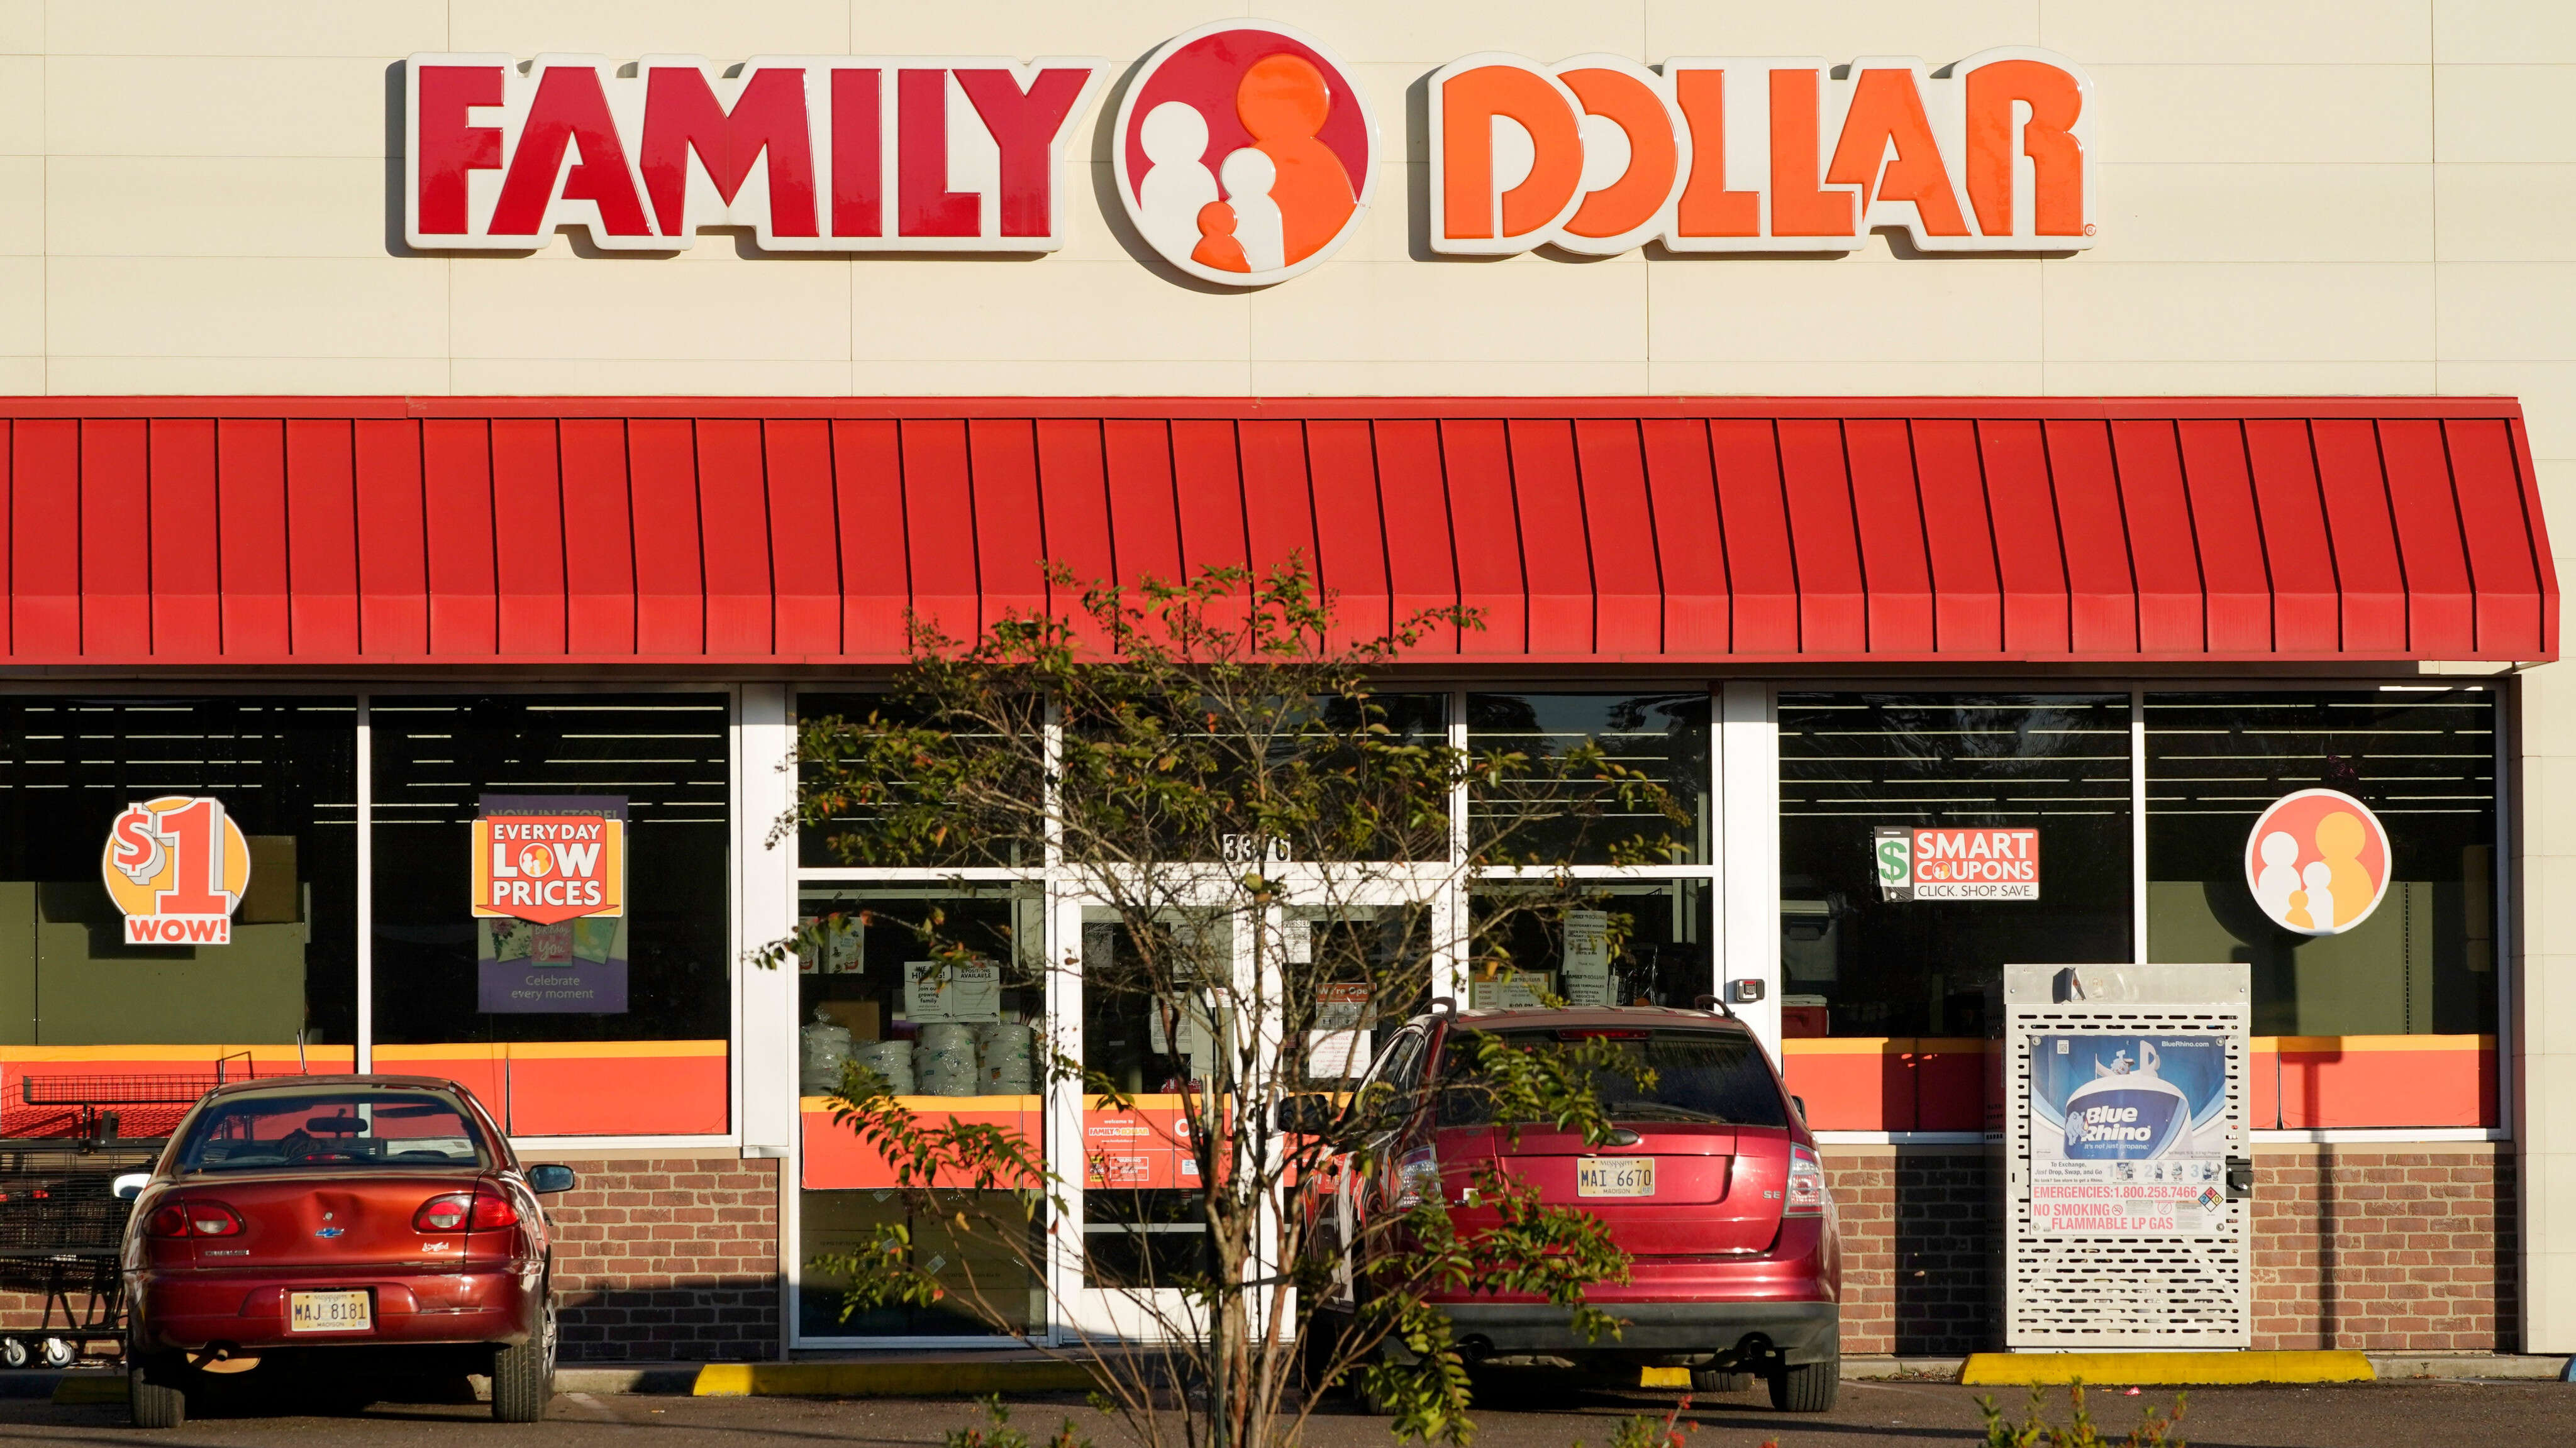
pixel 2128 1134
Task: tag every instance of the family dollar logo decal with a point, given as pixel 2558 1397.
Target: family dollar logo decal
pixel 1244 154
pixel 2317 862
pixel 177 867
pixel 549 860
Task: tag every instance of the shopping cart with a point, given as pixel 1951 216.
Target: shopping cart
pixel 62 1225
pixel 61 1229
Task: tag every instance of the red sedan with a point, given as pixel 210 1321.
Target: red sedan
pixel 312 1224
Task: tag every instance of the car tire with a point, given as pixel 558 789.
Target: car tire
pixel 1808 1387
pixel 1714 1380
pixel 523 1374
pixel 153 1392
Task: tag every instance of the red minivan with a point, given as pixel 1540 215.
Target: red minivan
pixel 1711 1183
pixel 314 1224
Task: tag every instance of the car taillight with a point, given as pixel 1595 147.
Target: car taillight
pixel 465 1212
pixel 1417 1177
pixel 198 1218
pixel 1807 1195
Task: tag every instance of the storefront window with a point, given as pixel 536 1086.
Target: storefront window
pixel 2423 761
pixel 282 771
pixel 1664 737
pixel 873 994
pixel 1615 942
pixel 1868 953
pixel 567 1017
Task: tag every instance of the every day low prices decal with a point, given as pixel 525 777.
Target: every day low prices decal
pixel 2127 1135
pixel 550 903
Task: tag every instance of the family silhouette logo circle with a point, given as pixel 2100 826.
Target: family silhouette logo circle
pixel 2317 862
pixel 1244 153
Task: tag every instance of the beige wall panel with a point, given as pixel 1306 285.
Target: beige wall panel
pixel 23 376
pixel 22 105
pixel 1447 379
pixel 22 306
pixel 245 307
pixel 1528 308
pixel 2504 112
pixel 173 105
pixel 1072 312
pixel 2501 32
pixel 1125 32
pixel 245 27
pixel 1859 379
pixel 77 376
pixel 1109 377
pixel 2240 32
pixel 22 222
pixel 2235 379
pixel 22 27
pixel 1839 32
pixel 214 206
pixel 2507 311
pixel 2548 394
pixel 1718 310
pixel 2225 312
pixel 650 310
pixel 629 29
pixel 2504 212
pixel 645 377
pixel 2177 212
pixel 2203 113
pixel 1434 35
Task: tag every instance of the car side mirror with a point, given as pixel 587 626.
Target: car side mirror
pixel 547 1180
pixel 1801 1103
pixel 130 1185
pixel 1307 1115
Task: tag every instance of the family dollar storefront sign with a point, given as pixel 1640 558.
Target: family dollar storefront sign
pixel 1245 153
pixel 549 876
pixel 1956 864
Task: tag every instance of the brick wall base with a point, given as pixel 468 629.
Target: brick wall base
pixel 2403 1250
pixel 671 1259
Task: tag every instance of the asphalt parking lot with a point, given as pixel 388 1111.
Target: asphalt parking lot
pixel 1876 1414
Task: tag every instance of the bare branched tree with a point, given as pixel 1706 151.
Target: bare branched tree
pixel 1269 863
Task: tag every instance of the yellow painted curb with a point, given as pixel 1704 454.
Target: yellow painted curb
pixel 2178 1368
pixel 1663 1377
pixel 90 1388
pixel 887 1379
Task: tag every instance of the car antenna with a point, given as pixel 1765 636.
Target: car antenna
pixel 1712 1003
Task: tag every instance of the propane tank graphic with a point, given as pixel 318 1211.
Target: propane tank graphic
pixel 2127 1112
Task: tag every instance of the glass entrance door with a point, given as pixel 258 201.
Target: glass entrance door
pixel 1156 1014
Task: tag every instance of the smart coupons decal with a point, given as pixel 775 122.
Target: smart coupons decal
pixel 176 866
pixel 1946 864
pixel 1243 153
pixel 550 903
pixel 2317 862
pixel 2127 1134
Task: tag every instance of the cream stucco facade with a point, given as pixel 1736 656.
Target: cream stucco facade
pixel 2365 196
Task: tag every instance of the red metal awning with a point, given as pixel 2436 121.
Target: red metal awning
pixel 343 531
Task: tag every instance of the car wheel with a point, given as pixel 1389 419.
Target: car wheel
pixel 523 1376
pixel 1808 1387
pixel 1712 1380
pixel 153 1393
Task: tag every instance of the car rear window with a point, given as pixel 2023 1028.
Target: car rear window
pixel 332 1131
pixel 1699 1076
